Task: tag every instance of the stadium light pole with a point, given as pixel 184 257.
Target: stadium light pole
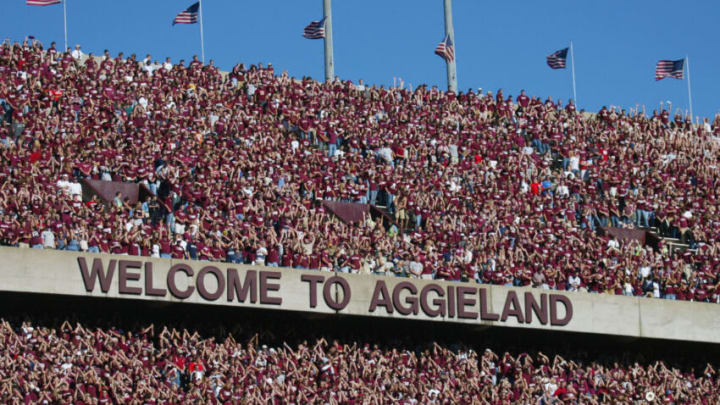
pixel 450 33
pixel 329 61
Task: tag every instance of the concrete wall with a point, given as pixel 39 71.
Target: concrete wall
pixel 56 272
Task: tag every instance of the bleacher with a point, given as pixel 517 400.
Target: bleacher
pixel 473 187
pixel 136 158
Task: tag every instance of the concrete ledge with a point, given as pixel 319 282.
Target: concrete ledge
pixel 168 280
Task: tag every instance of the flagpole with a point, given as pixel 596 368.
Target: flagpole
pixel 572 62
pixel 329 57
pixel 687 63
pixel 202 39
pixel 65 23
pixel 450 33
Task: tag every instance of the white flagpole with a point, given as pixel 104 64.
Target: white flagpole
pixel 65 23
pixel 328 42
pixel 202 39
pixel 572 62
pixel 450 33
pixel 687 64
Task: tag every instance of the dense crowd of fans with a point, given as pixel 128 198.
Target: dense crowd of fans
pixel 482 187
pixel 69 363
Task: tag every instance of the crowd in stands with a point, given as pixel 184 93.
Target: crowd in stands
pixel 48 362
pixel 479 187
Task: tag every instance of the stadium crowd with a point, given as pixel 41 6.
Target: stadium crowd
pixel 44 362
pixel 478 186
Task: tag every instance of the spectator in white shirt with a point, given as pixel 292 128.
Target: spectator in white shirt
pixel 562 190
pixel 64 183
pixel 574 281
pixel 48 238
pixel 148 67
pixel 77 53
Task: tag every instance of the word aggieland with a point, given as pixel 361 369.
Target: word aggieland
pixel 264 287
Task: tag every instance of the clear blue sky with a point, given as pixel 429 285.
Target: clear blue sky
pixel 499 44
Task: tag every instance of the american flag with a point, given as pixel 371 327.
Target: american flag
pixel 669 68
pixel 315 30
pixel 42 2
pixel 189 16
pixel 446 50
pixel 557 59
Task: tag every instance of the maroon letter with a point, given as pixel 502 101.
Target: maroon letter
pixel 451 301
pixel 235 286
pixel 265 287
pixel 327 294
pixel 97 271
pixel 124 276
pixel 200 281
pixel 541 310
pixel 462 302
pixel 484 313
pixel 410 299
pixel 381 298
pixel 512 301
pixel 313 280
pixel 554 299
pixel 432 313
pixel 149 289
pixel 171 280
